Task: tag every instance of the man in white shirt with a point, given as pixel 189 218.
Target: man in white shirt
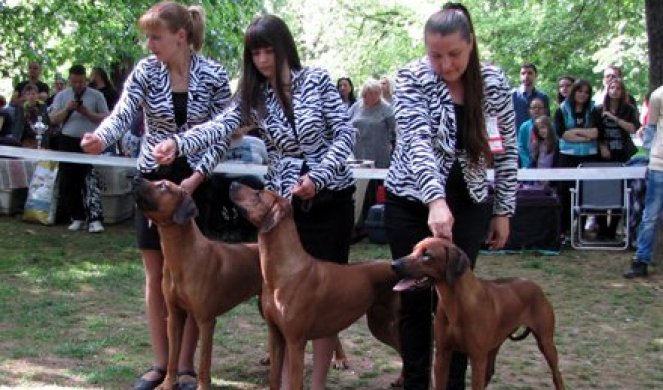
pixel 78 109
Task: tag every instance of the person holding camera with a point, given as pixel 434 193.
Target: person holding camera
pixel 78 110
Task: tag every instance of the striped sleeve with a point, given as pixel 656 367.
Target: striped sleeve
pixel 343 135
pixel 414 122
pixel 211 133
pixel 220 96
pixel 111 129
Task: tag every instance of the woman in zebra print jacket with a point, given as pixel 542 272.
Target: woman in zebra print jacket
pixel 437 184
pixel 176 88
pixel 308 137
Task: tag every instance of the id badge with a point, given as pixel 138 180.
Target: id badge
pixel 494 136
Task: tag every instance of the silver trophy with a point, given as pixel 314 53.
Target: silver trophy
pixel 40 128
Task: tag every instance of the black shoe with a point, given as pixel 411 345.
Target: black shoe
pixel 187 385
pixel 638 270
pixel 144 384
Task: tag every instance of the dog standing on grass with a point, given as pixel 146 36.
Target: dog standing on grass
pixel 304 298
pixel 476 316
pixel 201 277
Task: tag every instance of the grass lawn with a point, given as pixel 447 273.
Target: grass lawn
pixel 72 316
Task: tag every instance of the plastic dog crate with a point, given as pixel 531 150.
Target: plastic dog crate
pixel 374 224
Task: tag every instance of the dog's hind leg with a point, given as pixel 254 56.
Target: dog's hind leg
pixel 547 348
pixel 206 330
pixel 340 359
pixel 544 330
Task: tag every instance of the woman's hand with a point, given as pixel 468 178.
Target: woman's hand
pixel 609 115
pixel 192 182
pixel 92 144
pixel 304 189
pixel 498 232
pixel 604 150
pixel 440 219
pixel 165 152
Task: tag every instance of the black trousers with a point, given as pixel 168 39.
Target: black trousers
pixel 325 224
pixel 406 223
pixel 72 180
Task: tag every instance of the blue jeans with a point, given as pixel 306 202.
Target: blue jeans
pixel 650 215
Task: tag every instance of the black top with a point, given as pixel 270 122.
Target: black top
pixel 6 123
pixel 612 134
pixel 110 95
pixel 459 110
pixel 179 107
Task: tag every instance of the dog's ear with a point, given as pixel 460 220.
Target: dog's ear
pixel 457 263
pixel 185 211
pixel 279 211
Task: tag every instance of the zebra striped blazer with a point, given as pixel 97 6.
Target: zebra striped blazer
pixel 426 144
pixel 321 137
pixel 148 86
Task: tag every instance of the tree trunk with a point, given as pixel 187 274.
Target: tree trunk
pixel 654 14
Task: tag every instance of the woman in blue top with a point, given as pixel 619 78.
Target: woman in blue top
pixel 577 133
pixel 306 130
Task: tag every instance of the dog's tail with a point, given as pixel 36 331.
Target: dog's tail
pixel 514 337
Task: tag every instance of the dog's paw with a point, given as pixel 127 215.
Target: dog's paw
pixel 340 364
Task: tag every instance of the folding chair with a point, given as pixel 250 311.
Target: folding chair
pixel 599 198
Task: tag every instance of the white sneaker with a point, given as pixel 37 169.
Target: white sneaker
pixel 590 224
pixel 76 225
pixel 95 227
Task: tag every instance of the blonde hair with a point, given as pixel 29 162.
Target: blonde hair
pixel 175 16
pixel 371 85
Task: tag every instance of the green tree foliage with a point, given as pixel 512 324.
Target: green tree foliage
pixel 576 37
pixel 363 38
pixel 359 39
pixel 356 38
pixel 103 32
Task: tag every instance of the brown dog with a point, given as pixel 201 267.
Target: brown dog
pixel 304 298
pixel 201 277
pixel 476 316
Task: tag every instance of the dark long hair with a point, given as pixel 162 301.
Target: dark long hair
pixel 572 94
pixel 351 96
pixel 455 18
pixel 104 77
pixel 568 78
pixel 623 100
pixel 266 31
pixel 550 141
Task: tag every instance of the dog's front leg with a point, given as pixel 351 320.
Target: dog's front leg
pixel 441 365
pixel 276 352
pixel 479 367
pixel 205 361
pixel 176 318
pixel 295 352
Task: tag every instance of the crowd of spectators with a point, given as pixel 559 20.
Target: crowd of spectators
pixel 580 126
